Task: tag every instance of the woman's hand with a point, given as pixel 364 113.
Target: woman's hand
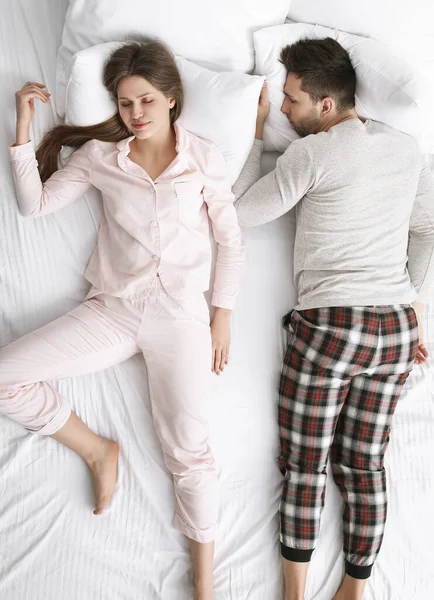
pixel 221 336
pixel 25 104
pixel 263 110
pixel 421 352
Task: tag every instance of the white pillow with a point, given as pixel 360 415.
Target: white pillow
pixel 217 35
pixel 388 90
pixel 220 107
pixel 371 18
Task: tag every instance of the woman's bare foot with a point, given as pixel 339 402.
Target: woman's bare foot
pixel 100 455
pixel 104 469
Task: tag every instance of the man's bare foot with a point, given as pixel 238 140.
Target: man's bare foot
pixel 350 589
pixel 104 469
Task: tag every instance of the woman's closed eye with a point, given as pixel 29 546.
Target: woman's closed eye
pixel 127 104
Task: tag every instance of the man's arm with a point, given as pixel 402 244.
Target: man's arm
pixel 260 200
pixel 421 237
pixel 421 251
pixel 251 172
pixel 279 191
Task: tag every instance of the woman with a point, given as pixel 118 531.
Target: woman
pixel 152 263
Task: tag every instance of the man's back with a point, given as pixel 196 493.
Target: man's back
pixel 352 226
pixel 359 189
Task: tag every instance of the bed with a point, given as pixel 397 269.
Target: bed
pixel 51 545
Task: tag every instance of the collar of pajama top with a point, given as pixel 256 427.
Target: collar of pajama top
pixel 148 227
pixel 177 166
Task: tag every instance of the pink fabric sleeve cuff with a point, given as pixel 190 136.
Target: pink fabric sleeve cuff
pixel 223 301
pixel 21 152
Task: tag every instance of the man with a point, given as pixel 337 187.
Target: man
pixel 363 266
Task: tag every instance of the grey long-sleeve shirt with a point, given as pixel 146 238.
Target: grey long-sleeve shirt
pixel 364 201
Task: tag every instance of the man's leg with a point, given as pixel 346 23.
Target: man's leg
pixel 360 443
pixel 311 397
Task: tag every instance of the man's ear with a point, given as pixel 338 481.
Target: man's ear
pixel 327 106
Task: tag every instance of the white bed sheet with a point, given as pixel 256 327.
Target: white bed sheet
pixel 51 545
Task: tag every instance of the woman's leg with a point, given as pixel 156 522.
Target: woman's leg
pixel 100 455
pixel 97 334
pixel 176 343
pixel 203 565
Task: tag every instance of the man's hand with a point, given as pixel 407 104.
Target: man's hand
pixel 263 110
pixel 421 353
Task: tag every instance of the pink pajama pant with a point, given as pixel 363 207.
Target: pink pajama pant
pixel 174 337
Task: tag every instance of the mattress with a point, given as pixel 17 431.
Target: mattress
pixel 51 545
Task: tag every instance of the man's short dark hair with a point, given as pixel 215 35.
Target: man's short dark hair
pixel 325 70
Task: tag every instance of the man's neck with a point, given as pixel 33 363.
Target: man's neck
pixel 340 118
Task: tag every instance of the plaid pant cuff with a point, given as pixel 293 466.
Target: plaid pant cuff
pixel 295 555
pixel 357 572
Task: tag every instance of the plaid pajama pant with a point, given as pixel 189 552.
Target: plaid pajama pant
pixel 342 375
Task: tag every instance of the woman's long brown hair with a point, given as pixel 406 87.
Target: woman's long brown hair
pixel 148 59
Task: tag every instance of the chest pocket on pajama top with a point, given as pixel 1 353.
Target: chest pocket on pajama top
pixel 190 201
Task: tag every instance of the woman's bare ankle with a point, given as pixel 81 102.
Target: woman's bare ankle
pixel 100 451
pixel 104 469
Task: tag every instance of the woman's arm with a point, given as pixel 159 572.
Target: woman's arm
pixel 65 186
pixel 25 105
pixel 230 251
pixel 230 254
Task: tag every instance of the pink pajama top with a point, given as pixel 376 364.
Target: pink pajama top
pixel 148 227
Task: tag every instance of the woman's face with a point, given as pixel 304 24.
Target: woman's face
pixel 144 109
